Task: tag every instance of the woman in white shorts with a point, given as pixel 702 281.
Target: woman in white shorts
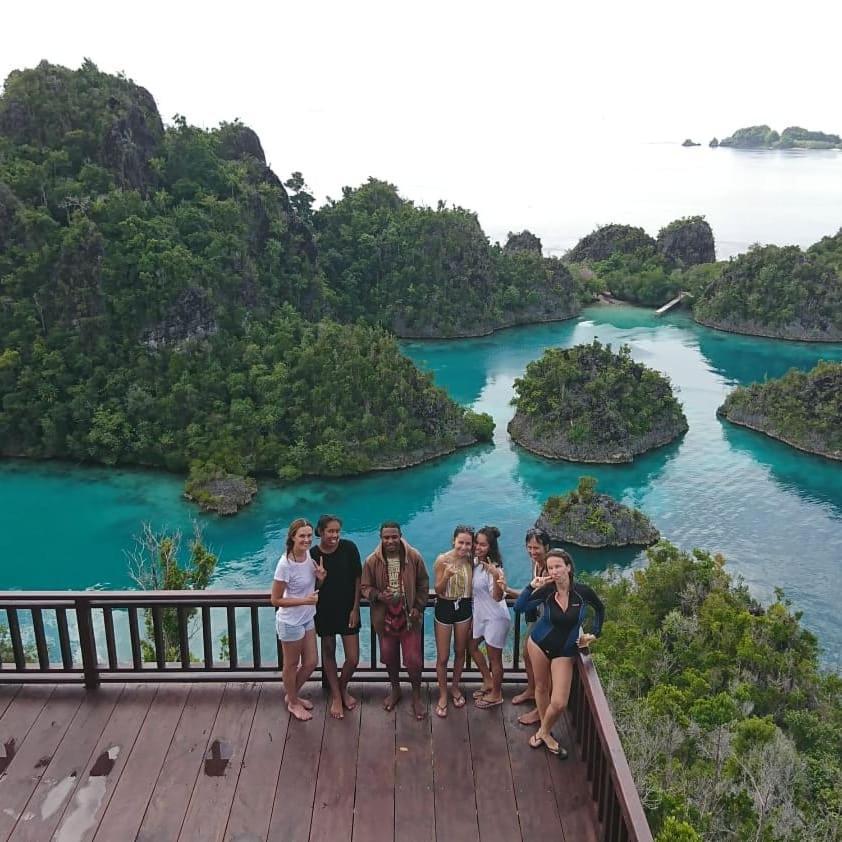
pixel 491 616
pixel 294 595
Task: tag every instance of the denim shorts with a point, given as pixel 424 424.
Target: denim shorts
pixel 290 633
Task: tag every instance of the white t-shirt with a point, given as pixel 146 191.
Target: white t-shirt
pixel 300 578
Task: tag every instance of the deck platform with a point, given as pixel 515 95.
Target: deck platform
pixel 224 762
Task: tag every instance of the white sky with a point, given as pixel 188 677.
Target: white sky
pixel 433 95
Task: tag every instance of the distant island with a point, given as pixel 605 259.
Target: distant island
pixel 793 137
pixel 689 142
pixel 591 404
pixel 802 409
pixel 588 519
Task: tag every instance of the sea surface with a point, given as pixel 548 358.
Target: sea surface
pixel 774 512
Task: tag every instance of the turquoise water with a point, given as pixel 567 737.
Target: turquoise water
pixel 775 513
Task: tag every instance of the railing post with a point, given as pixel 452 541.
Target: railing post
pixel 87 642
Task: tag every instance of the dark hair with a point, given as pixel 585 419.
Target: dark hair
pixel 462 528
pixel 492 533
pixel 390 524
pixel 539 535
pixel 565 557
pixel 297 524
pixel 324 520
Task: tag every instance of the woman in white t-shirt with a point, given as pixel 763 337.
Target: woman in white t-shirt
pixel 294 595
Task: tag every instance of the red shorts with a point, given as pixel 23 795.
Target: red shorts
pixel 410 643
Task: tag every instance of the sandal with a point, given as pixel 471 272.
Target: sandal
pixel 536 742
pixel 459 701
pixel 478 694
pixel 485 704
pixel 441 711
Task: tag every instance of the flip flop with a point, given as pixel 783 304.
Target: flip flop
pixel 441 712
pixel 484 704
pixel 459 701
pixel 478 694
pixel 558 751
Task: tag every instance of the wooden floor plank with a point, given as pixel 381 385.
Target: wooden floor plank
pixel 453 775
pixel 494 788
pixel 534 794
pixel 29 763
pixel 94 791
pixel 128 804
pixel 210 804
pixel 182 765
pixel 333 807
pixel 58 785
pixel 374 803
pixel 7 693
pixel 251 809
pixel 18 717
pixel 415 819
pixel 576 808
pixel 292 811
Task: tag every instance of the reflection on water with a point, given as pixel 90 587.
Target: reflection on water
pixel 774 513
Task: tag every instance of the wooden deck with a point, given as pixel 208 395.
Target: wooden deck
pixel 223 762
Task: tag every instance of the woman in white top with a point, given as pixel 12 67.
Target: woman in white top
pixel 491 616
pixel 294 595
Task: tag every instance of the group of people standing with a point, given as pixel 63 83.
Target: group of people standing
pixel 317 590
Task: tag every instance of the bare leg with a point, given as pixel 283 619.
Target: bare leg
pixel 351 645
pixel 482 666
pixel 330 674
pixel 292 655
pixel 391 658
pixel 562 677
pixel 461 638
pixel 442 656
pixel 541 668
pixel 529 693
pixel 495 656
pixel 309 659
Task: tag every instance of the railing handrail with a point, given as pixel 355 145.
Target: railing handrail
pixel 625 788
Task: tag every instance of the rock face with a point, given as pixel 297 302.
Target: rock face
pixel 587 519
pixel 220 492
pixel 608 240
pixel 589 404
pixel 525 241
pixel 713 143
pixel 687 242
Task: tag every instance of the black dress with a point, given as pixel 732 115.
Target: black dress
pixel 336 593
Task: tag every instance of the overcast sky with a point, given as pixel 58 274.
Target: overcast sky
pixel 430 95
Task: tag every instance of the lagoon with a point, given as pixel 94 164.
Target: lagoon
pixel 774 513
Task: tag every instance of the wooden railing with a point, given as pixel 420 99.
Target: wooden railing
pixel 90 637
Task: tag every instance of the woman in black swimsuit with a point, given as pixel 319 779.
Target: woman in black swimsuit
pixel 556 638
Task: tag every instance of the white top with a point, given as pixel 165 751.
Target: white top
pixel 300 578
pixel 485 606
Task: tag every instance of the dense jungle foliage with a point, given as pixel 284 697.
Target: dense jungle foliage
pixel 732 730
pixel 160 299
pixel 431 272
pixel 778 291
pixel 590 394
pixel 634 267
pixel 804 408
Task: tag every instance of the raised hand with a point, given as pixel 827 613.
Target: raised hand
pixel 319 567
pixel 539 582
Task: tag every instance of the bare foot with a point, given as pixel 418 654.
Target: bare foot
pixel 391 701
pixel 478 694
pixel 300 712
pixel 531 718
pixel 305 703
pixel 526 696
pixel 336 708
pixel 348 700
pixel 418 708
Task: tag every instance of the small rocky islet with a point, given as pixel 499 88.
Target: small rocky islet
pixel 588 519
pixel 591 404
